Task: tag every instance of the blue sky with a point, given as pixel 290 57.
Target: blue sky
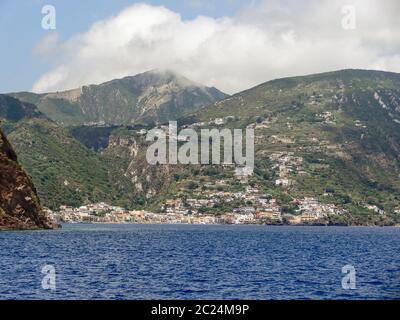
pixel 20 29
pixel 230 44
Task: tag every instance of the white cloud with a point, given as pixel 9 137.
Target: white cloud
pixel 269 40
pixel 47 45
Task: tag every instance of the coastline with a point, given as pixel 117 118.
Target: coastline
pixel 229 224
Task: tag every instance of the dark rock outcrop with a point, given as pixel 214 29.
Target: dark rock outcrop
pixel 19 204
pixel 14 110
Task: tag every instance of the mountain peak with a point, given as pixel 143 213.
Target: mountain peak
pixel 158 77
pixel 154 96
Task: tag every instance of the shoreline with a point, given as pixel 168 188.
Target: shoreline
pixel 197 225
pixel 228 224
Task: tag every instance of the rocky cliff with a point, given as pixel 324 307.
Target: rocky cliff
pixel 19 204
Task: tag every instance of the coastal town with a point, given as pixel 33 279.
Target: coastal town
pixel 217 203
pixel 263 210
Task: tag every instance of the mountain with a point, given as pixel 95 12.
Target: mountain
pixel 63 170
pixel 329 140
pixel 12 110
pixel 154 96
pixel 343 128
pixel 19 204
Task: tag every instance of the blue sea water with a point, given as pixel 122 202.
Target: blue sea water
pixel 200 262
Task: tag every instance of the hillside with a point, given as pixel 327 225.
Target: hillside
pixel 12 110
pixel 63 170
pixel 332 137
pixel 154 96
pixel 343 128
pixel 326 143
pixel 19 204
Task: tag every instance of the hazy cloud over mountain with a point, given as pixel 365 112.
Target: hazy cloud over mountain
pixel 269 40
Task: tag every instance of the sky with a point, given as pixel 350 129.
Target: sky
pixel 230 44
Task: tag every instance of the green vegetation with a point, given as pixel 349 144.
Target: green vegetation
pixel 340 132
pixel 63 170
pixel 154 96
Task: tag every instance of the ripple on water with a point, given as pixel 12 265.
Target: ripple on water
pixel 200 262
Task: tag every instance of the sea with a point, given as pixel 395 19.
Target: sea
pixel 127 261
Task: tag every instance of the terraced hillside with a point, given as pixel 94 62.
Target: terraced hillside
pixel 333 137
pixel 324 143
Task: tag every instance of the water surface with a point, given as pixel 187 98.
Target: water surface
pixel 200 262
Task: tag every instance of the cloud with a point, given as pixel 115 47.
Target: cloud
pixel 46 45
pixel 265 41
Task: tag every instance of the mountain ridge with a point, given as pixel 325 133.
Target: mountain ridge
pixel 152 96
pixel 333 137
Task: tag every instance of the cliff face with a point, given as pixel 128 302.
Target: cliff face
pixel 19 204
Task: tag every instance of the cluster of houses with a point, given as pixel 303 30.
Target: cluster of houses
pixel 214 121
pixel 376 209
pixel 327 117
pixel 311 209
pixel 286 163
pixel 265 211
pixel 99 212
pixel 260 208
pixel 79 215
pixel 249 206
pixel 104 213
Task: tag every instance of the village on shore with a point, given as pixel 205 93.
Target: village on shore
pixel 249 206
pixel 177 211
